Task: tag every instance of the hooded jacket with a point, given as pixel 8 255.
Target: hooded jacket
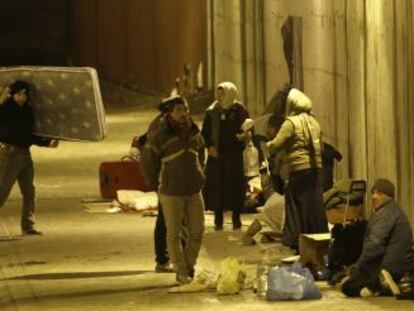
pixel 300 134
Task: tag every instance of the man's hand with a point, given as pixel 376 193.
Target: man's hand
pixel 213 152
pixel 53 143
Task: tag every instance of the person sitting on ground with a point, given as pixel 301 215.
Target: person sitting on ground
pixel 387 248
pixel 272 216
pixel 273 184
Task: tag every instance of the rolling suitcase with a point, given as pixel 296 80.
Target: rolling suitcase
pixel 124 174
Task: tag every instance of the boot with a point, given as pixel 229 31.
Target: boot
pixel 254 227
pixel 406 286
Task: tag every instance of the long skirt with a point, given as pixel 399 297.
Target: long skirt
pixel 305 212
pixel 225 188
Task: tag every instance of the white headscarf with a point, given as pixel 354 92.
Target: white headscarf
pixel 230 93
pixel 297 102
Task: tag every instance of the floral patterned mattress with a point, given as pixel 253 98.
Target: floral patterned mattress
pixel 67 101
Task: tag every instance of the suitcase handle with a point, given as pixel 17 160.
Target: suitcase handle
pixel 355 186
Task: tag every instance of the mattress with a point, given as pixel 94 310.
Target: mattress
pixel 67 101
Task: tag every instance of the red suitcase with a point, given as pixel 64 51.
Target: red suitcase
pixel 116 175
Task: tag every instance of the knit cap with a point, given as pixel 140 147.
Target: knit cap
pixel 385 186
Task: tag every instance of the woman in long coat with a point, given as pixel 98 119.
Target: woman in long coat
pixel 300 137
pixel 225 141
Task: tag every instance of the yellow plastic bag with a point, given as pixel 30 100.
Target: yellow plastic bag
pixel 232 276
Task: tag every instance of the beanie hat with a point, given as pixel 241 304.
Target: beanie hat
pixel 18 85
pixel 385 186
pixel 169 103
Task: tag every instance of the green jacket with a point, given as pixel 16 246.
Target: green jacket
pixel 302 152
pixel 299 136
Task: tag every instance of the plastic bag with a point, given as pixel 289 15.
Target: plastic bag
pixel 232 276
pixel 251 160
pixel 291 283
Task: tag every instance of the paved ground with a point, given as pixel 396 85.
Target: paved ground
pixel 99 261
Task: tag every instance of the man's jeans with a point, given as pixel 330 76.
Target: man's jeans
pixel 189 209
pixel 16 164
pixel 160 238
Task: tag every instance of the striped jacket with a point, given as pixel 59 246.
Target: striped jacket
pixel 171 164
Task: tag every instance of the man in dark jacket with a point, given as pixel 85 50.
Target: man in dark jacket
pixel 162 258
pixel 172 163
pixel 16 138
pixel 387 249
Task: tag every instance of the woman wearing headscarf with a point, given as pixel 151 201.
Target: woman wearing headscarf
pixel 225 141
pixel 300 138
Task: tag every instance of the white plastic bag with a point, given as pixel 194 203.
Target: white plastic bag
pixel 251 160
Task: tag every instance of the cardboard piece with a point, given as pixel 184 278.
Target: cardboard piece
pixel 313 247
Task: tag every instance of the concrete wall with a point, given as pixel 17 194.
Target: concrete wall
pixel 143 44
pixel 34 32
pixel 357 68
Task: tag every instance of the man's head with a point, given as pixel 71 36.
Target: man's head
pixel 382 191
pixel 177 108
pixel 19 92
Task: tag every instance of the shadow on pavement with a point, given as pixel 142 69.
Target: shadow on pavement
pixel 77 275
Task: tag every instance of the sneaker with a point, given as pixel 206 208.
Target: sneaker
pixel 388 283
pixel 366 293
pixel 218 227
pixel 164 268
pixel 31 231
pixel 344 280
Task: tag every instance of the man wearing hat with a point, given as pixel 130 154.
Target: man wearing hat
pixel 162 258
pixel 172 162
pixel 387 249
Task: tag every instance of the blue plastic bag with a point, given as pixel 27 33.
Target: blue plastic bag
pixel 291 283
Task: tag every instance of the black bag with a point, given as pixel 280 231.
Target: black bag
pixel 347 238
pixel 346 243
